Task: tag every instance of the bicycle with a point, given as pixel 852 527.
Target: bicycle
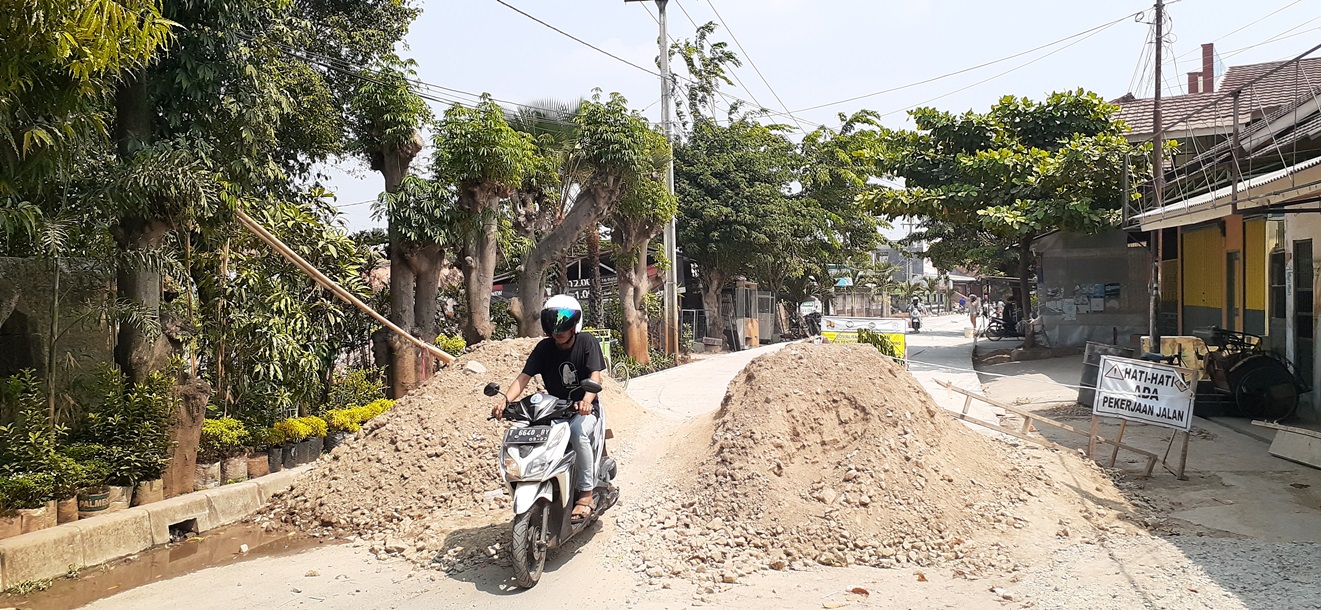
pixel 616 370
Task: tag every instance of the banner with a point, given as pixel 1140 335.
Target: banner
pixel 1146 392
pixel 838 329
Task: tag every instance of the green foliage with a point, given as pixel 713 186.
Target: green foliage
pixel 262 438
pixel 983 182
pixel 26 490
pixel 476 147
pixel 881 342
pixel 351 420
pixel 341 420
pixel 355 387
pixel 451 344
pixel 315 425
pixel 384 110
pixel 131 425
pixel 222 438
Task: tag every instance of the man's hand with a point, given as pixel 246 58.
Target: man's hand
pixel 498 411
pixel 584 407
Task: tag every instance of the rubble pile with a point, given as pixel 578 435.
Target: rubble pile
pixel 421 480
pixel 834 455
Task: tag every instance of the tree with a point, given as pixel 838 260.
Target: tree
pixel 385 119
pixel 999 179
pixel 484 160
pixel 734 206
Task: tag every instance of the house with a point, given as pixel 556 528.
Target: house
pixel 1235 229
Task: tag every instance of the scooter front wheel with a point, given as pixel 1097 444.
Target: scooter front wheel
pixel 529 553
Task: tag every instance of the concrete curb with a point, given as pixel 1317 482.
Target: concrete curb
pixel 84 543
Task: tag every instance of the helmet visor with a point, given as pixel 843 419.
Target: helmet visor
pixel 559 319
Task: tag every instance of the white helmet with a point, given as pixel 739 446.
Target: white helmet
pixel 560 313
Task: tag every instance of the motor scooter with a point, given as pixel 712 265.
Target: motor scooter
pixel 537 461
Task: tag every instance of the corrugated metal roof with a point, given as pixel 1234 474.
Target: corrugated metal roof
pixel 1223 192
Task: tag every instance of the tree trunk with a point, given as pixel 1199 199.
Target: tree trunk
pixel 1025 292
pixel 140 351
pixel 596 298
pixel 403 372
pixel 586 210
pixel 713 282
pixel 633 284
pixel 427 264
pixel 479 265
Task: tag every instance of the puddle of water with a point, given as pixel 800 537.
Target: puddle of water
pixel 214 548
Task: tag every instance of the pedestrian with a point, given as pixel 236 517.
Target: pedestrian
pixel 963 304
pixel 974 306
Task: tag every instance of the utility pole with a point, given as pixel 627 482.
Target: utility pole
pixel 671 253
pixel 1158 182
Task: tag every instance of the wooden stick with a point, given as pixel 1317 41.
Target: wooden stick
pixel 320 278
pixel 1091 438
pixel 1183 457
pixel 1114 455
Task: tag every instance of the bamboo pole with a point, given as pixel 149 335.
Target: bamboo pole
pixel 320 278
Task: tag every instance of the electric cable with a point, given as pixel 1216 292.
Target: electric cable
pixel 1089 31
pixel 712 4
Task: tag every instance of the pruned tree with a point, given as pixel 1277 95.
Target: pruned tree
pixel 484 160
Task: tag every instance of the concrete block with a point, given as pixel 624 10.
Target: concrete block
pixel 232 503
pixel 44 554
pixel 120 534
pixel 277 482
pixel 177 510
pixel 1297 447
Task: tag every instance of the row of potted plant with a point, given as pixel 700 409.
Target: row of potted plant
pixel 229 452
pixel 107 459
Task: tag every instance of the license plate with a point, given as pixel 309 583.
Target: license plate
pixel 533 434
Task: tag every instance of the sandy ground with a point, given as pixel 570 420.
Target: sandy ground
pixel 1195 565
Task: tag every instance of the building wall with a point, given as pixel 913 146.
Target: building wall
pixel 1301 322
pixel 1202 276
pixel 1092 288
pixel 25 330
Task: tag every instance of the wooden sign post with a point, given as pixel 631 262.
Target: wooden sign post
pixel 1146 392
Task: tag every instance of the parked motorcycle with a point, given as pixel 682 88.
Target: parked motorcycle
pixel 537 462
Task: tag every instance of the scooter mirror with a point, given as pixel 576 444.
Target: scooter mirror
pixel 591 386
pixel 491 389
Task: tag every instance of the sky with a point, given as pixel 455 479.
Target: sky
pixel 799 54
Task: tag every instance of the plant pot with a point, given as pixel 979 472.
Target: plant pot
pixel 66 510
pixel 120 496
pixel 305 452
pixel 92 502
pixel 275 458
pixel 258 465
pixel 206 476
pixel 290 455
pixel 318 447
pixel 147 492
pixel 335 438
pixel 36 519
pixel 11 525
pixel 233 470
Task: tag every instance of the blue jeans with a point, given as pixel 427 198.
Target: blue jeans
pixel 580 426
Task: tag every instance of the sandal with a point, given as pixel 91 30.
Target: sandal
pixel 579 516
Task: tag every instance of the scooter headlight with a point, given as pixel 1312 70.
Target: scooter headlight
pixel 512 469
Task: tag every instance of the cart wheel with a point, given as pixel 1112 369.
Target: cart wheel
pixel 1265 389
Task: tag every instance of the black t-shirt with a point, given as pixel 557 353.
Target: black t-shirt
pixel 562 371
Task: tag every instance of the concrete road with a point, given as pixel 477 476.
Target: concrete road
pixel 941 352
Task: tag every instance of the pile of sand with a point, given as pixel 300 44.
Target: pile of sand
pixel 834 455
pixel 421 480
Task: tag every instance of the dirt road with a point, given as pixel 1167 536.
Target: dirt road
pixel 1128 572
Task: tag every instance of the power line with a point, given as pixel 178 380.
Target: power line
pixel 648 71
pixel 712 4
pixel 1268 15
pixel 1087 32
pixel 695 26
pixel 1094 32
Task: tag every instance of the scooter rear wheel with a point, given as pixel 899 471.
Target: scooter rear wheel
pixel 529 554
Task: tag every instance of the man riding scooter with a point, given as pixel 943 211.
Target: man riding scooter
pixel 565 358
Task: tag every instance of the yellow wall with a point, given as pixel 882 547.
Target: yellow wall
pixel 1203 268
pixel 1254 262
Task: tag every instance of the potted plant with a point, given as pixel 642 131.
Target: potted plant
pixel 224 439
pixel 273 441
pixel 316 436
pixel 92 495
pixel 256 453
pixel 293 431
pixel 341 424
pixel 26 503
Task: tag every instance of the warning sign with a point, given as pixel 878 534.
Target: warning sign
pixel 1146 392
